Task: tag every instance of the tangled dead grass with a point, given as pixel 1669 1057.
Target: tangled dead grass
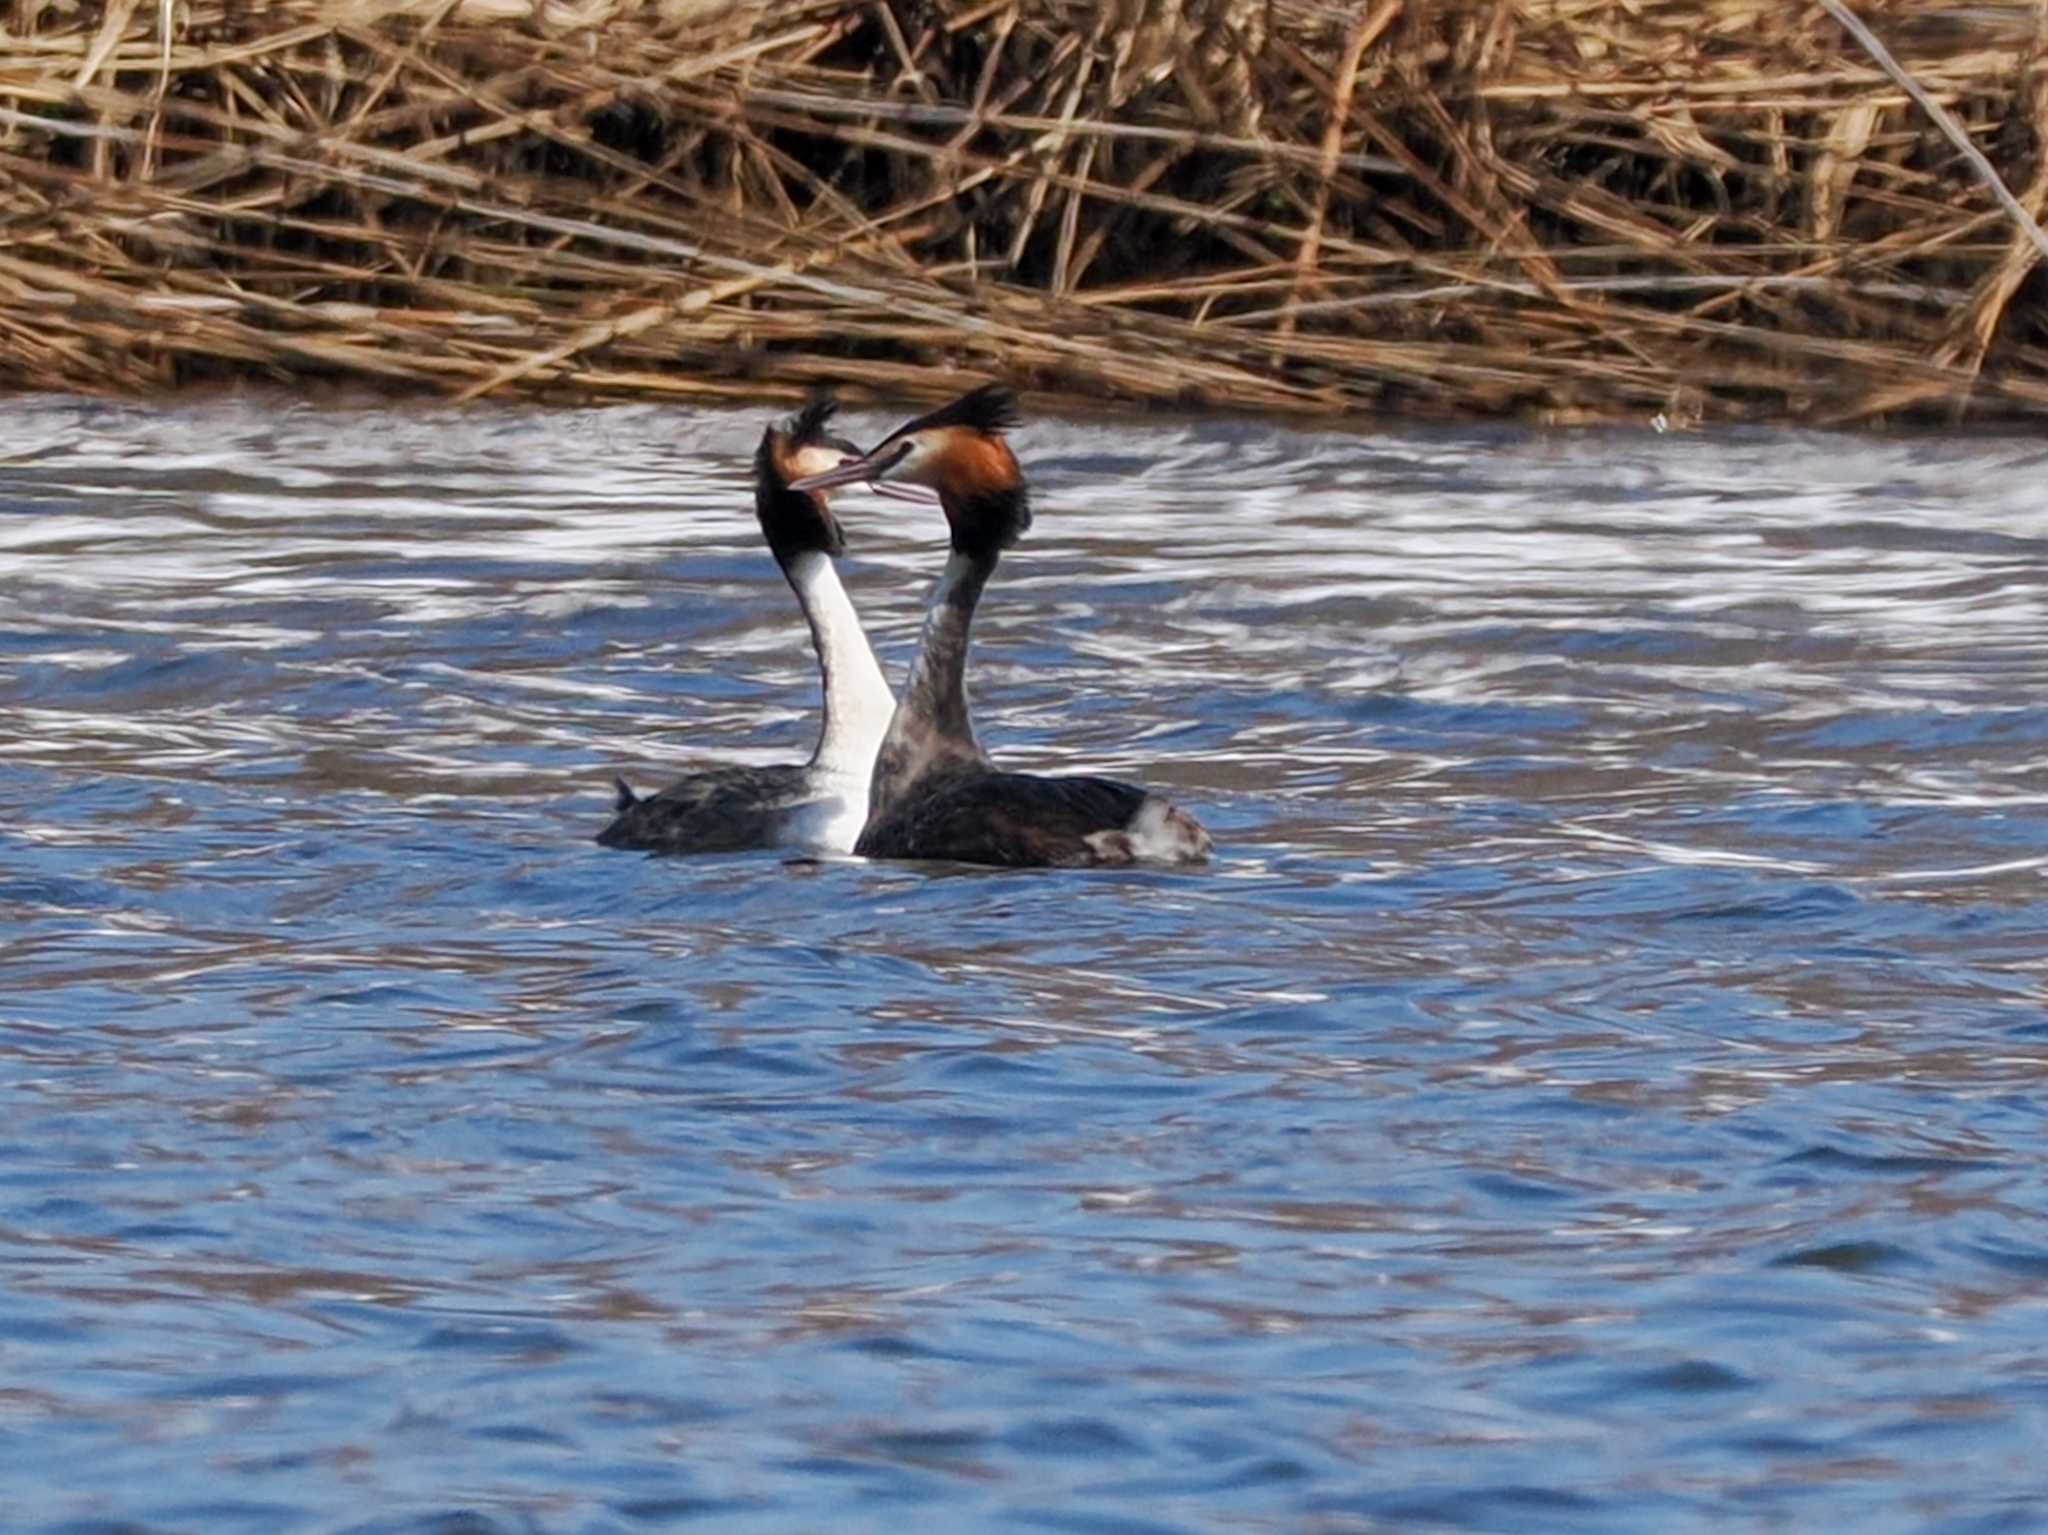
pixel 1560 208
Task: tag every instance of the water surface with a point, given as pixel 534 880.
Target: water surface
pixel 1596 1088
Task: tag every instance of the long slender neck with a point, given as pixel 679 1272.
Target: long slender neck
pixel 858 703
pixel 931 726
pixel 937 689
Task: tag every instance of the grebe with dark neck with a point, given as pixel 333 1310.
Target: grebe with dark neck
pixel 820 804
pixel 935 794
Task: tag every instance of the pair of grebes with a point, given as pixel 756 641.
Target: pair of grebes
pixel 902 778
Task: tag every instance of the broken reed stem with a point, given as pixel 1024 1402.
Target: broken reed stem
pixel 1364 32
pixel 1986 172
pixel 1477 206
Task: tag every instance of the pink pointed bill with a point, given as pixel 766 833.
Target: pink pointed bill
pixel 871 469
pixel 839 474
pixel 895 490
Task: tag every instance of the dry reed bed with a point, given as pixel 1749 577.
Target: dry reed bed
pixel 1558 207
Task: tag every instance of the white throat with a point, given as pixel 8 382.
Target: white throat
pixel 858 702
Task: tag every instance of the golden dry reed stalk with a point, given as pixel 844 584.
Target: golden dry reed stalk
pixel 1562 209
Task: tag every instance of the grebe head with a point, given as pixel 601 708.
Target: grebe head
pixel 957 450
pixel 798 521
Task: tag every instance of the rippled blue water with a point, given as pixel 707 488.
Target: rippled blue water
pixel 1597 1087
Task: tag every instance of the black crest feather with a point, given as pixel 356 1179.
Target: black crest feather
pixel 808 424
pixel 988 408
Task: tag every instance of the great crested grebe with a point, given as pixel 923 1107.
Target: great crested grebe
pixel 935 793
pixel 822 803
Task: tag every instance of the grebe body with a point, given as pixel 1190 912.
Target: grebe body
pixel 820 804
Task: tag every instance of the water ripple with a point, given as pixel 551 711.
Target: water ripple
pixel 1595 1088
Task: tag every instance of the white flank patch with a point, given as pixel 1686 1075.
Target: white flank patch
pixel 830 823
pixel 1161 834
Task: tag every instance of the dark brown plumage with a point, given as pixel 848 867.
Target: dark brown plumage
pixel 981 815
pixel 720 810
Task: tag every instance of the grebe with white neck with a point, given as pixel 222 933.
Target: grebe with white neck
pixel 935 794
pixel 820 804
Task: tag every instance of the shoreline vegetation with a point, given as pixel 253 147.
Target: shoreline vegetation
pixel 1551 209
